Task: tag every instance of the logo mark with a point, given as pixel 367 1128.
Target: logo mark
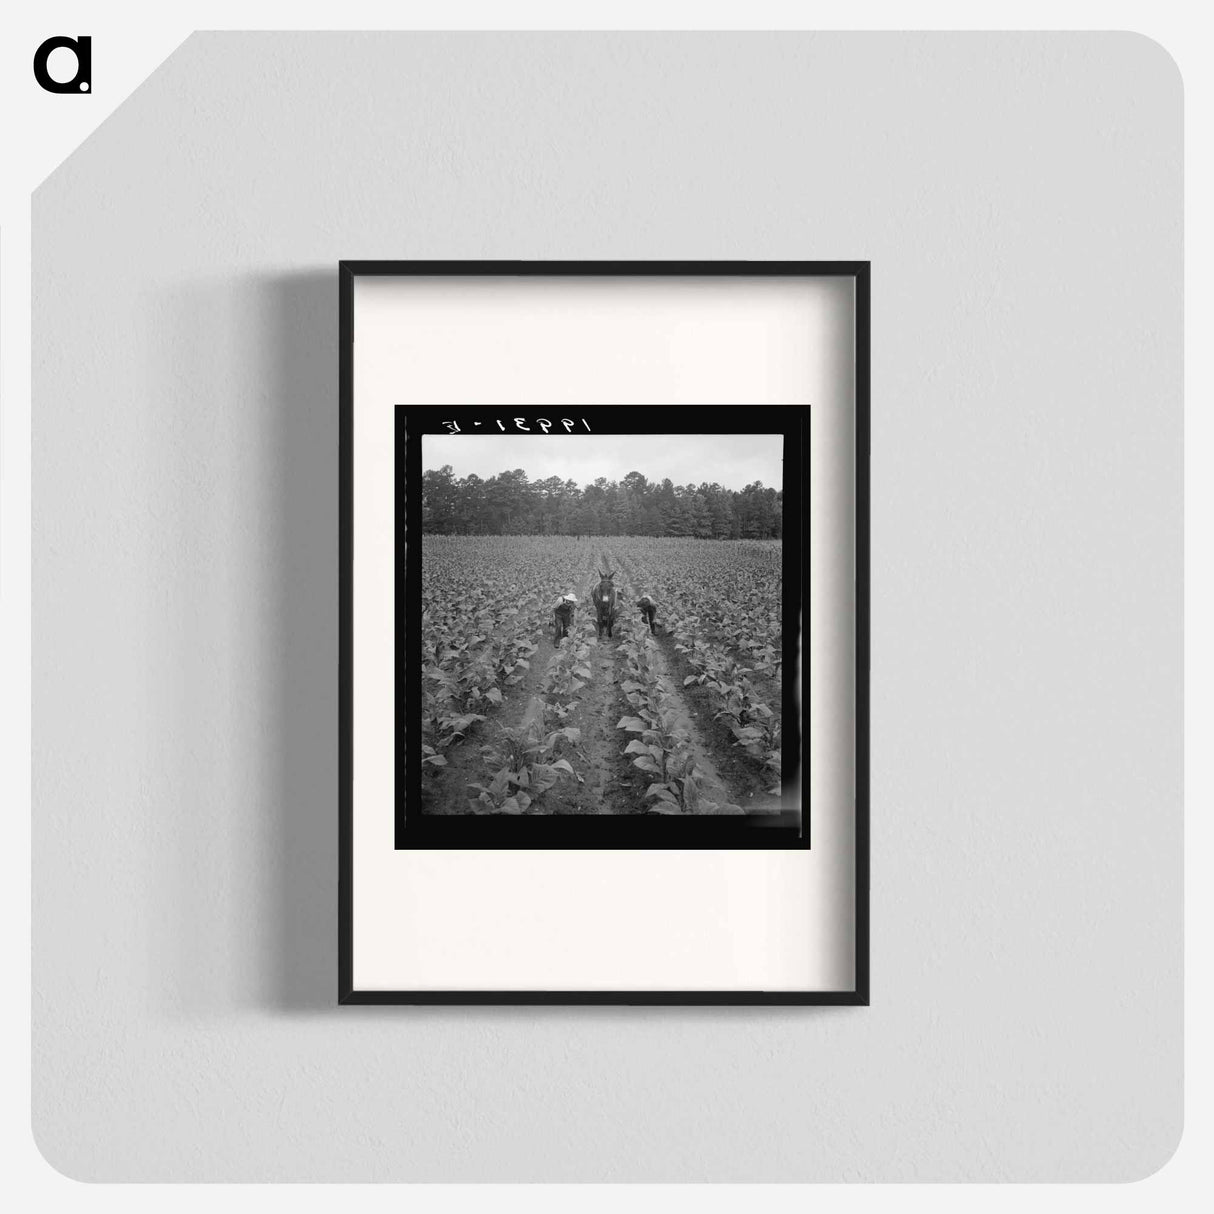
pixel 82 81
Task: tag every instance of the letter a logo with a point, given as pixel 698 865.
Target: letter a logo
pixel 82 81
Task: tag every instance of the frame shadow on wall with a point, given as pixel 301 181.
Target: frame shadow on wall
pixel 300 940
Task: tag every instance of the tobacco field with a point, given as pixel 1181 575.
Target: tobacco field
pixel 687 721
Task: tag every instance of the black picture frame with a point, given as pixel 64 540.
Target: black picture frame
pixel 348 273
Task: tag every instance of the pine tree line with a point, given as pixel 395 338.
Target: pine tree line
pixel 510 504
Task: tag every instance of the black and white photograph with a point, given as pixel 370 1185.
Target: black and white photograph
pixel 602 617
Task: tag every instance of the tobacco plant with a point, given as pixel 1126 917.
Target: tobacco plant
pixel 524 766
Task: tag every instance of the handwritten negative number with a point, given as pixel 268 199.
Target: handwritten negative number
pixel 520 423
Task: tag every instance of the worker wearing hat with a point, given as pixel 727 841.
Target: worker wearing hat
pixel 563 614
pixel 649 611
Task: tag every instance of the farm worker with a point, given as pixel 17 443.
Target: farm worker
pixel 564 616
pixel 649 611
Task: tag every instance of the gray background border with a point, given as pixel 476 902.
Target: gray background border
pixel 1020 199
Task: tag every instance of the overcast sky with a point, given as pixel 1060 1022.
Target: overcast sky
pixel 732 460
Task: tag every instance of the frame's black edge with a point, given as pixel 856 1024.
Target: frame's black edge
pixel 408 744
pixel 635 998
pixel 863 459
pixel 759 269
pixel 345 658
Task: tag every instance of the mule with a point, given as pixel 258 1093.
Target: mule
pixel 604 603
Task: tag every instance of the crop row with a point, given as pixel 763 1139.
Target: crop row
pixel 483 603
pixel 662 745
pixel 709 619
pixel 528 759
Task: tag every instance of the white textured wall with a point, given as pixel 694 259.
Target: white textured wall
pixel 1019 197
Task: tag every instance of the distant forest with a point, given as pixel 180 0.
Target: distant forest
pixel 510 504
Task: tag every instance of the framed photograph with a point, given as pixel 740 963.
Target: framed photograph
pixel 604 632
